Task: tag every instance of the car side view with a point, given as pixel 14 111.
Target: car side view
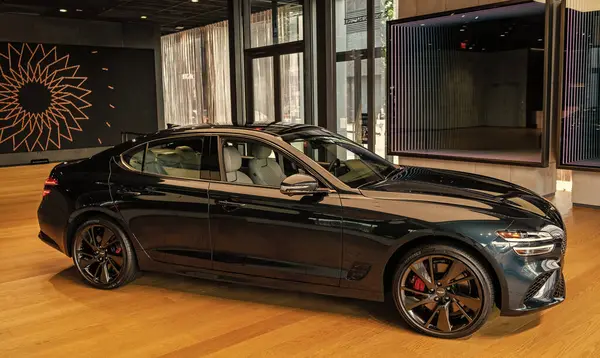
pixel 298 207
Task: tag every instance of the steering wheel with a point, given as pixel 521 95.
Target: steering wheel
pixel 334 165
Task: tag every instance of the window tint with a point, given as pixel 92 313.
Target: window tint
pixel 256 163
pixel 191 158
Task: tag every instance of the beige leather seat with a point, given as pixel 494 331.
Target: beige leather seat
pixel 233 163
pixel 265 170
pixel 190 159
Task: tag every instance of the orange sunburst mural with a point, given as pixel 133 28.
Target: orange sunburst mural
pixel 42 99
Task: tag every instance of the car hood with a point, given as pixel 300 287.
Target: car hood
pixel 463 189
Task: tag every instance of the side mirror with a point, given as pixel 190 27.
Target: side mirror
pixel 301 184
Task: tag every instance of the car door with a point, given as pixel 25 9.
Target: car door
pixel 161 190
pixel 257 230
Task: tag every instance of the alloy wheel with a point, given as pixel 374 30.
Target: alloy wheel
pixel 440 294
pixel 99 254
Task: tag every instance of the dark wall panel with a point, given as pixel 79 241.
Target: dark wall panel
pixel 71 97
pixel 124 56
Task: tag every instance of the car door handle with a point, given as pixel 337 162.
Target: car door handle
pixel 128 192
pixel 230 205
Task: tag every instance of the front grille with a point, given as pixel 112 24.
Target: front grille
pixel 559 290
pixel 537 285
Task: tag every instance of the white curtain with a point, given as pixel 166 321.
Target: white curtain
pixel 197 80
pixel 196 76
pixel 218 86
pixel 182 77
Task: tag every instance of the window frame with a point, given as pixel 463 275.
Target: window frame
pixel 285 152
pixel 147 144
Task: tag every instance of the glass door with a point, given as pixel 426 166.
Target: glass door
pixel 351 96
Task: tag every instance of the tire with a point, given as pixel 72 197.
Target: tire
pixel 103 267
pixel 425 305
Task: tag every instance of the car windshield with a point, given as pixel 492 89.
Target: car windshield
pixel 348 161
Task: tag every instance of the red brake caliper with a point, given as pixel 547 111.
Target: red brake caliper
pixel 418 284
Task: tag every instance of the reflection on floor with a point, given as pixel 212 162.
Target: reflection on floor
pixel 46 311
pixel 505 155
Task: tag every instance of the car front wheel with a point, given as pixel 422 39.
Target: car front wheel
pixel 443 291
pixel 103 254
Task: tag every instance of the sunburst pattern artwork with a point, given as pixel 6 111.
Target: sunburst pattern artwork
pixel 42 97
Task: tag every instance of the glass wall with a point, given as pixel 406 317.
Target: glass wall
pixel 275 50
pixel 470 85
pixel 352 31
pixel 580 129
pixel 196 68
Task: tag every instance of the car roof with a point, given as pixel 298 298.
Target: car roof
pixel 275 129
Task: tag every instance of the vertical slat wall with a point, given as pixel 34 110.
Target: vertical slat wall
pixel 432 89
pixel 581 103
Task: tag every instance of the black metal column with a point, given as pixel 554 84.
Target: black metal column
pixel 371 73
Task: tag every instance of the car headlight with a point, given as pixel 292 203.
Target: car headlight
pixel 527 243
pixel 523 236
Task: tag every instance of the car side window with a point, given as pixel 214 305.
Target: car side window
pixel 190 158
pixel 253 162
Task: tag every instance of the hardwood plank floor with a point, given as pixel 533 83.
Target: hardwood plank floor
pixel 46 310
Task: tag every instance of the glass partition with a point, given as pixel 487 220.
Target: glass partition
pixel 469 85
pixel 580 126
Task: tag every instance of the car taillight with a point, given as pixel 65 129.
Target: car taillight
pixel 48 185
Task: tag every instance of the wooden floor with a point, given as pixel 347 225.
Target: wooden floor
pixel 46 310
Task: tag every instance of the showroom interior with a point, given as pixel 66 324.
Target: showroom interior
pixel 505 89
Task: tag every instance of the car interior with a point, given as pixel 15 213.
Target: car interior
pixel 245 162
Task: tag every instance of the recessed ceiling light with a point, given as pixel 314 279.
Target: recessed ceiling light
pixel 462 30
pixel 194 0
pixel 502 35
pixel 179 28
pixel 63 10
pixel 143 17
pixel 78 10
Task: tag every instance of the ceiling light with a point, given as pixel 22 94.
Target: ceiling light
pixel 502 35
pixel 179 28
pixel 78 10
pixel 143 17
pixel 63 10
pixel 422 24
pixel 194 0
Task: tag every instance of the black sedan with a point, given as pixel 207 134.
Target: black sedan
pixel 301 208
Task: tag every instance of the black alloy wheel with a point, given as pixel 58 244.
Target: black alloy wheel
pixel 103 254
pixel 443 291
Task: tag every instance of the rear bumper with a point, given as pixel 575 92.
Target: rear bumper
pixel 49 241
pixel 52 221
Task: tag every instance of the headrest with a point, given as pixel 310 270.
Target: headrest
pixel 184 149
pixel 261 152
pixel 232 159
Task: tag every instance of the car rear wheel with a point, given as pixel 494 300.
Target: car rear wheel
pixel 443 291
pixel 103 254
